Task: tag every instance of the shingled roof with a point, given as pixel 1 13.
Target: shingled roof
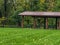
pixel 31 13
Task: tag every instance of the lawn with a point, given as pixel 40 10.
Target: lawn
pixel 19 36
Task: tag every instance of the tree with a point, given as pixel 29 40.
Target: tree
pixel 50 4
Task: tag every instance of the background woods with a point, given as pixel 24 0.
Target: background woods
pixel 9 10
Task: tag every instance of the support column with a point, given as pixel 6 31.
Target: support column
pixel 59 23
pixel 45 23
pixel 22 22
pixel 39 23
pixel 56 23
pixel 34 23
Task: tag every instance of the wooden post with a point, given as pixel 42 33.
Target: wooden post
pixel 34 23
pixel 45 23
pixel 22 22
pixel 56 23
pixel 39 22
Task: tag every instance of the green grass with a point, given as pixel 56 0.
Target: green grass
pixel 19 36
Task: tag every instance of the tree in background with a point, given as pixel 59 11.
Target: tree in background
pixel 9 9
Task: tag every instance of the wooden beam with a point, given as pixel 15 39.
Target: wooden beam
pixel 34 22
pixel 22 22
pixel 39 22
pixel 56 23
pixel 59 23
pixel 45 23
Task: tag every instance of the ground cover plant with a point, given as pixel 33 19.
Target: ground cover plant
pixel 27 36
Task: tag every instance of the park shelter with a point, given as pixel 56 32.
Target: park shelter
pixel 44 15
